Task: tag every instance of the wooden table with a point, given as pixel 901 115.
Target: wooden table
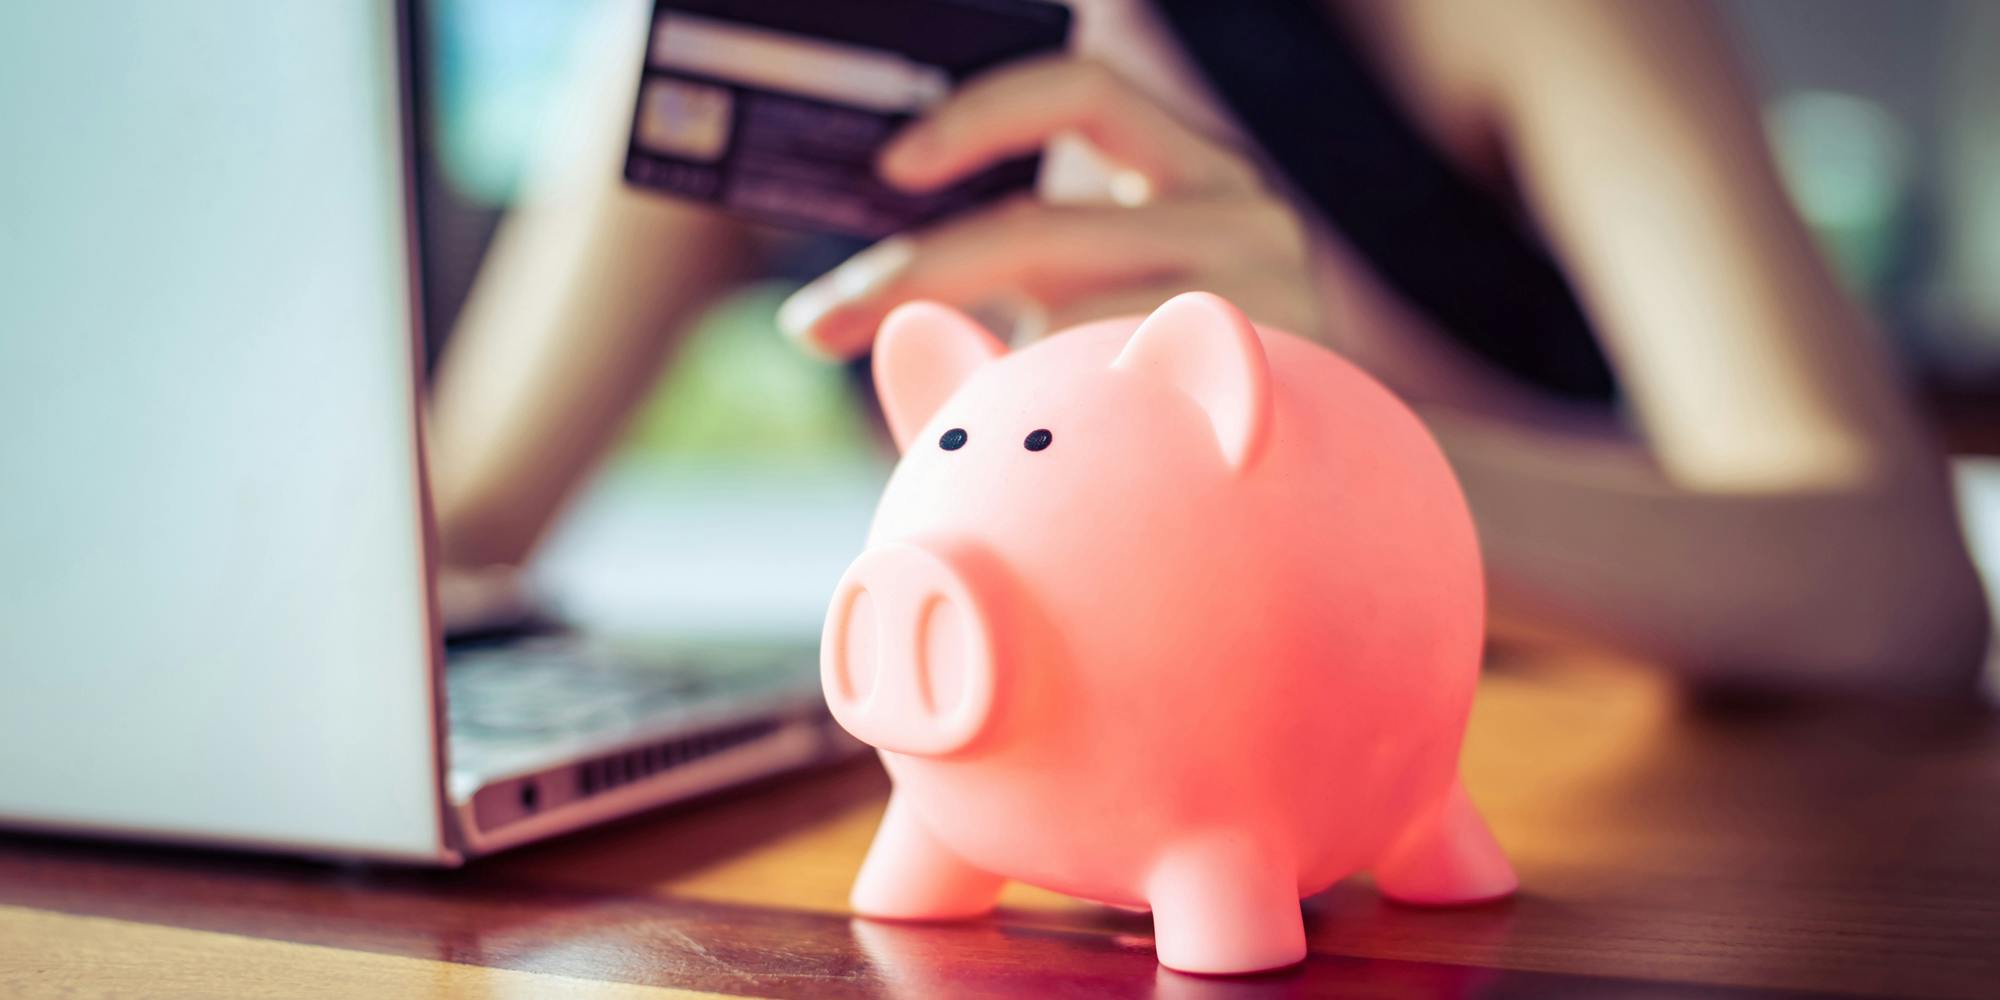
pixel 1664 852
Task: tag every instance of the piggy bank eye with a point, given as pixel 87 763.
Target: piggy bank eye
pixel 1037 440
pixel 953 439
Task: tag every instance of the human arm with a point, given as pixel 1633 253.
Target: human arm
pixel 1780 517
pixel 578 303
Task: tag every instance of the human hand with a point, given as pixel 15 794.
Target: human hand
pixel 1189 213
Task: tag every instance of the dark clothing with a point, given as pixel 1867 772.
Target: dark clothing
pixel 1300 86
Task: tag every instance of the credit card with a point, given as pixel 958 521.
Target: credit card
pixel 775 109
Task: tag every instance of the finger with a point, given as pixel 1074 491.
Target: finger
pixel 1139 300
pixel 1273 297
pixel 1015 110
pixel 1050 253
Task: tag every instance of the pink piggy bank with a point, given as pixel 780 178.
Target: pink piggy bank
pixel 1176 614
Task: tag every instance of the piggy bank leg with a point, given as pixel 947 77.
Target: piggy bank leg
pixel 1447 858
pixel 910 875
pixel 1226 906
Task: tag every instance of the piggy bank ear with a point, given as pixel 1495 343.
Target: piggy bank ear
pixel 1202 346
pixel 923 353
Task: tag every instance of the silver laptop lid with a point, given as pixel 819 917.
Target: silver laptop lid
pixel 214 621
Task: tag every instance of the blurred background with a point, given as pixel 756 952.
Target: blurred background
pixel 1885 116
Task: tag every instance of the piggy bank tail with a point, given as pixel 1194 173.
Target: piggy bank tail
pixel 1447 857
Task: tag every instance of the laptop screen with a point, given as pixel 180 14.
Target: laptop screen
pixel 213 619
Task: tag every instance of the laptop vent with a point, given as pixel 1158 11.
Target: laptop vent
pixel 606 773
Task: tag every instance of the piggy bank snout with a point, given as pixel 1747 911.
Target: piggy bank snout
pixel 906 657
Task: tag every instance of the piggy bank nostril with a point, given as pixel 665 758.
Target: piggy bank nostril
pixel 943 642
pixel 906 660
pixel 861 644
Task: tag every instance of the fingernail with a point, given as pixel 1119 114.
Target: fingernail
pixel 862 275
pixel 1131 188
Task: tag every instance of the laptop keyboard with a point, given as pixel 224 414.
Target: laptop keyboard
pixel 549 688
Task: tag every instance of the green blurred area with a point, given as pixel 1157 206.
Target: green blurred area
pixel 737 393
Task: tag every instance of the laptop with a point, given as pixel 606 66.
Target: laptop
pixel 218 611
